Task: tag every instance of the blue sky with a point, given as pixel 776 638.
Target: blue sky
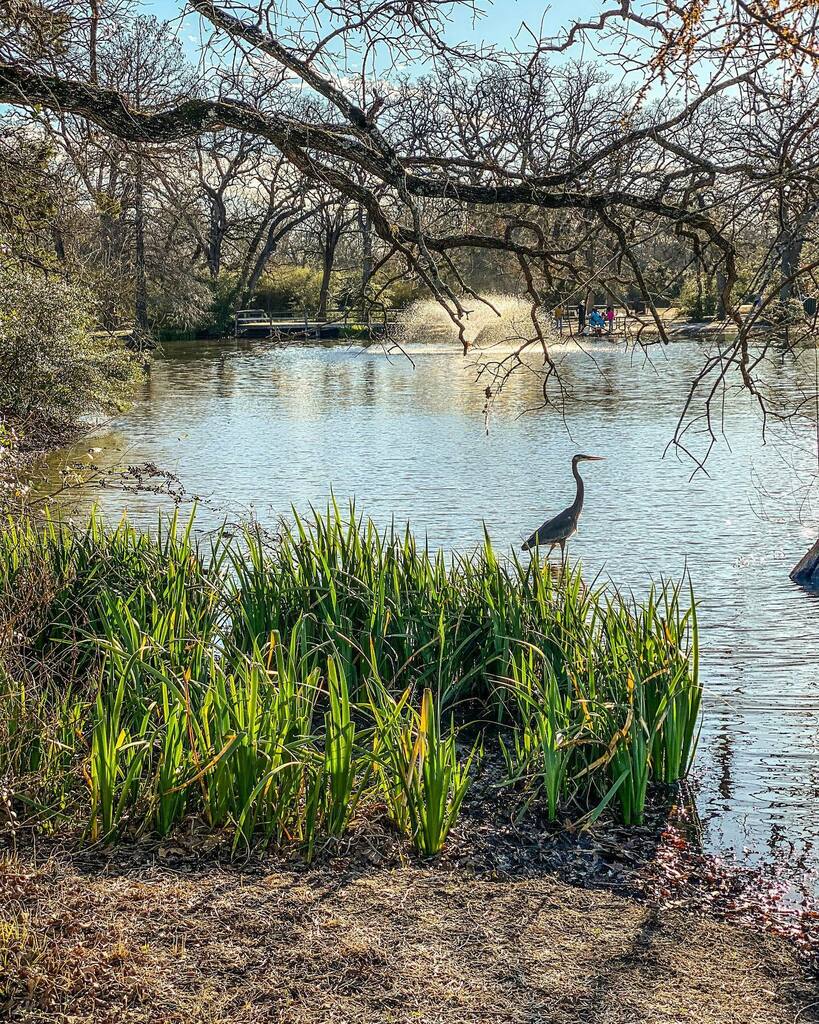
pixel 498 25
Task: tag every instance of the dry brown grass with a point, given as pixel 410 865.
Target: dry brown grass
pixel 144 943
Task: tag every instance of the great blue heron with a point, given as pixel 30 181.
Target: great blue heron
pixel 558 530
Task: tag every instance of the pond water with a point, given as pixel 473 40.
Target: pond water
pixel 256 428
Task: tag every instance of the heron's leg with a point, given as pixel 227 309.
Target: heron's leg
pixel 562 557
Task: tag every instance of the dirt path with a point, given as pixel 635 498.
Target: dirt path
pixel 154 945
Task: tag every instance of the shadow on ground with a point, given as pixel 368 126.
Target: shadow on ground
pixel 147 943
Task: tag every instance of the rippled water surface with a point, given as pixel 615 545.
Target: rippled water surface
pixel 260 428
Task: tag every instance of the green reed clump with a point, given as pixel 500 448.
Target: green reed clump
pixel 61 589
pixel 118 751
pixel 268 688
pixel 422 779
pixel 339 787
pixel 544 748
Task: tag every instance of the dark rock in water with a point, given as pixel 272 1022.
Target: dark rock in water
pixel 806 570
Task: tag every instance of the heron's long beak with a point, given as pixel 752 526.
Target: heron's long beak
pixel 594 458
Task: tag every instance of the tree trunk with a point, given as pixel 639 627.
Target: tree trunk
pixel 326 274
pixel 365 226
pixel 109 226
pixel 113 235
pixel 216 233
pixel 59 242
pixel 791 256
pixel 722 312
pixel 274 235
pixel 92 42
pixel 806 570
pixel 141 287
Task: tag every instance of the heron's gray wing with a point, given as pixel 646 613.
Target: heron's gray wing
pixel 552 531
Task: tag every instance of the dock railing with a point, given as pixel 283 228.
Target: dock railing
pixel 253 320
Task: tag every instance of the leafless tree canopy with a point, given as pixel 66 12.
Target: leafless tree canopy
pixel 574 161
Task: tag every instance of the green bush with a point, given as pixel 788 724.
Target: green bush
pixel 697 304
pixel 288 287
pixel 178 300
pixel 54 367
pixel 400 294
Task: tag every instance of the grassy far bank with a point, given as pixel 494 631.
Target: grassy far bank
pixel 274 691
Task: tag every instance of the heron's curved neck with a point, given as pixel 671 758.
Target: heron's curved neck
pixel 578 498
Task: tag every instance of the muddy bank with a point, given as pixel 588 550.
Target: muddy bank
pixel 144 942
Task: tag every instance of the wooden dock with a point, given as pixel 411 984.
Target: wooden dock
pixel 257 323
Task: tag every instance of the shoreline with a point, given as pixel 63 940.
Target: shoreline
pixel 677 329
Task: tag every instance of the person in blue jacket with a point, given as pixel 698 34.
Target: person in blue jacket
pixel 596 322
